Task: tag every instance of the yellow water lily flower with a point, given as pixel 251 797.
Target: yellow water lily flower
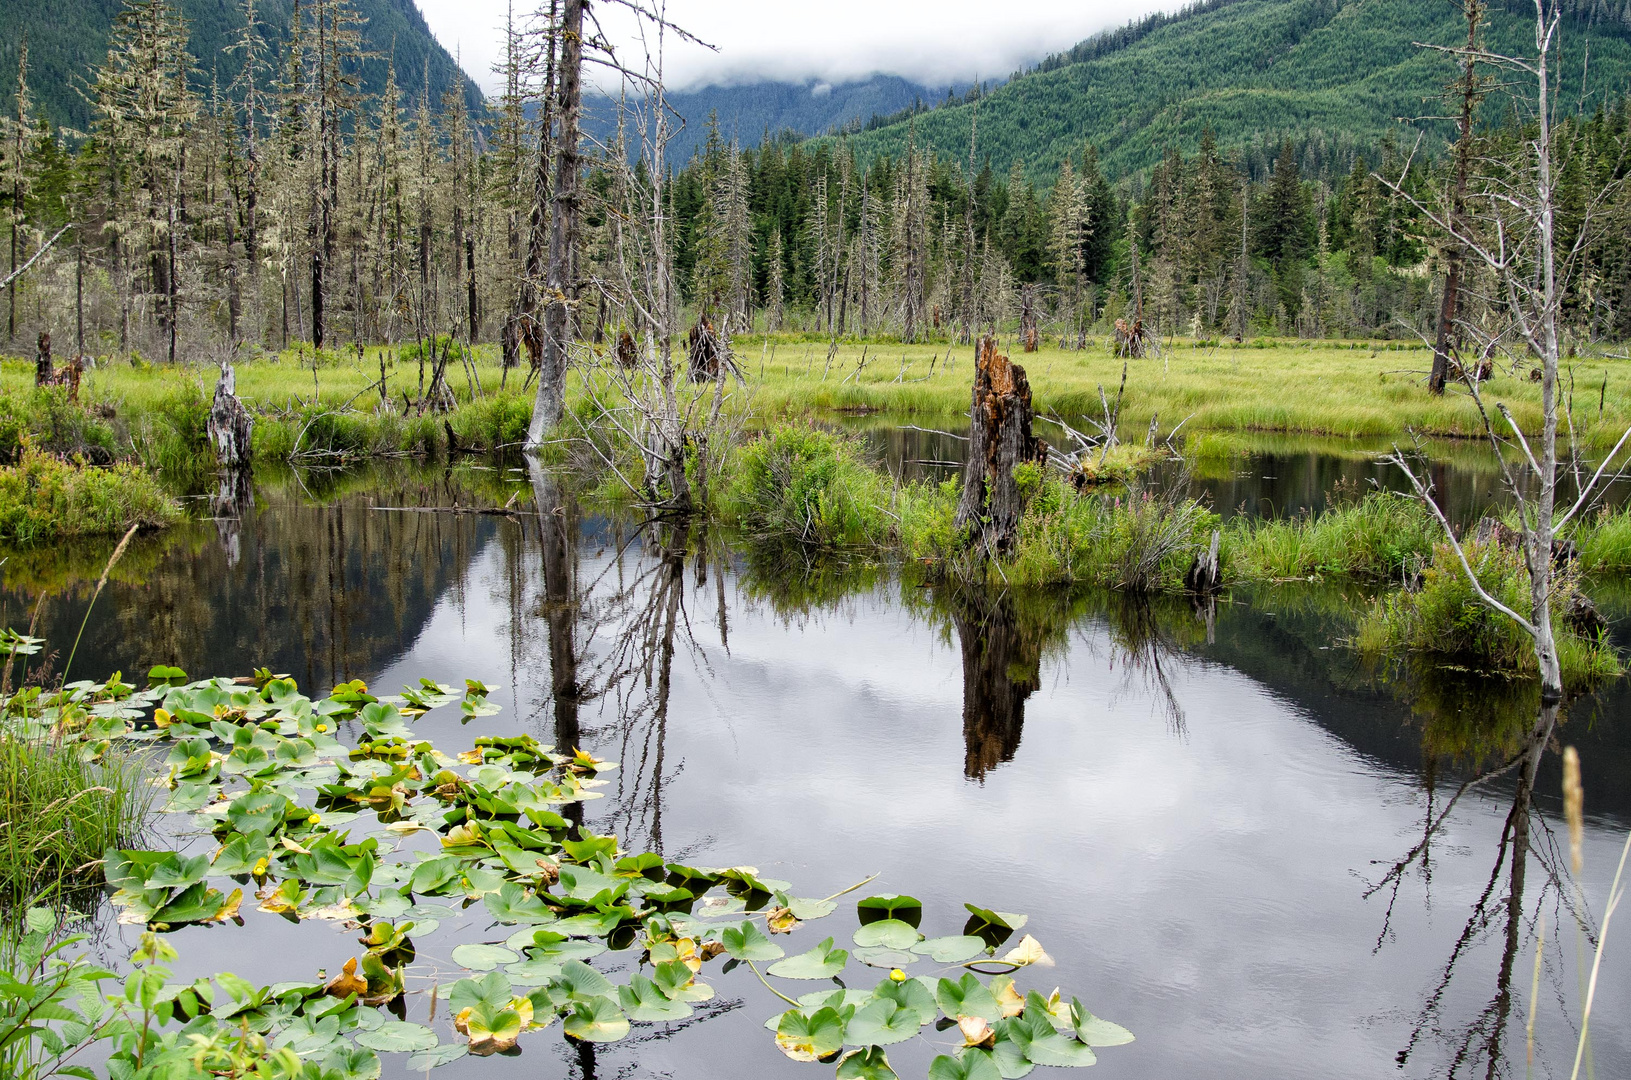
pixel 897 975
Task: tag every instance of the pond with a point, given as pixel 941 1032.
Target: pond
pixel 1231 835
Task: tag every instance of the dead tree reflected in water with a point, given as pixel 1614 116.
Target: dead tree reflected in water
pixel 1148 639
pixel 1477 1046
pixel 1002 667
pixel 557 530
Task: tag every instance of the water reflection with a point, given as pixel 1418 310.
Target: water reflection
pixel 1250 846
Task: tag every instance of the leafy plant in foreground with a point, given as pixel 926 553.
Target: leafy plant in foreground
pixel 310 826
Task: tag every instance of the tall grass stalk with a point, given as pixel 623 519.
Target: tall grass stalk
pixel 100 583
pixel 1615 895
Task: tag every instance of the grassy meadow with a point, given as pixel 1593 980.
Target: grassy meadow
pixel 1364 391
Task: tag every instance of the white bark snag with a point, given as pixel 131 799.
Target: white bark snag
pixel 230 424
pixel 560 284
pixel 999 438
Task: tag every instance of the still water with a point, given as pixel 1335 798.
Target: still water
pixel 1233 837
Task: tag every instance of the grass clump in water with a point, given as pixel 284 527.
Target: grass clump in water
pixel 44 498
pixel 1375 538
pixel 808 486
pixel 1446 619
pixel 1604 541
pixel 59 812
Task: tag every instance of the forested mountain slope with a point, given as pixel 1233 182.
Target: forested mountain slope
pixel 750 111
pixel 67 41
pixel 1249 69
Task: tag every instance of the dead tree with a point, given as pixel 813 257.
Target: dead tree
pixel 1002 667
pixel 42 361
pixel 706 351
pixel 230 425
pixel 999 440
pixel 1028 334
pixel 1468 86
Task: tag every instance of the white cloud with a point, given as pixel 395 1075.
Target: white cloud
pixel 930 41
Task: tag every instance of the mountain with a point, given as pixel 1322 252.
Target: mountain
pixel 68 41
pixel 1252 70
pixel 749 111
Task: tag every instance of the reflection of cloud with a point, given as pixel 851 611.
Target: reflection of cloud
pixel 1205 892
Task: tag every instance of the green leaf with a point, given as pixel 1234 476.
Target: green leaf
pixel 973 1065
pixel 437 1056
pixel 1033 1034
pixel 810 1037
pixel 748 942
pixel 886 958
pixel 910 994
pixel 950 950
pixel 398 1036
pixel 478 957
pixel 967 997
pixel 597 1020
pixel 994 927
pixel 644 1000
pixel 821 962
pixel 583 983
pixel 810 909
pixel 1095 1032
pixel 880 1023
pixel 906 909
pixel 867 1064
pixel 887 934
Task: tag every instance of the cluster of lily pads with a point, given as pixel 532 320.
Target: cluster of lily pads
pixel 307 826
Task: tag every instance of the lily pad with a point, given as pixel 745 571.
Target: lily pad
pixel 1094 1031
pixel 973 1065
pixel 867 1064
pixel 880 1023
pixel 748 942
pixel 597 1020
pixel 887 934
pixel 477 957
pixel 810 1037
pixel 398 1036
pixel 906 909
pixel 951 950
pixel 821 962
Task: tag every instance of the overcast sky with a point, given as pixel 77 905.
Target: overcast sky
pixel 930 41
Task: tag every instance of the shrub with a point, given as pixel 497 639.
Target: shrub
pixel 44 498
pixel 1445 618
pixel 808 486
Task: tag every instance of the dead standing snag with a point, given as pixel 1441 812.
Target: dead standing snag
pixel 1000 439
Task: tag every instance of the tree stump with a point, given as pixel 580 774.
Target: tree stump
pixel 1029 336
pixel 43 373
pixel 628 357
pixel 1205 575
pixel 230 424
pixel 999 439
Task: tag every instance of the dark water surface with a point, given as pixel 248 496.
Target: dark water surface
pixel 1220 824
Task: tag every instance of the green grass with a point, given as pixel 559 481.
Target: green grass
pixel 805 485
pixel 45 499
pixel 59 812
pixel 1446 620
pixel 1371 538
pixel 1357 391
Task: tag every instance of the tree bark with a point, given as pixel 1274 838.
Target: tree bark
pixel 550 403
pixel 999 438
pixel 1458 205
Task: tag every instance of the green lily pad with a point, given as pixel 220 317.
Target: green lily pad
pixel 951 950
pixel 643 1000
pixel 437 1056
pixel 748 942
pixel 821 962
pixel 887 934
pixel 1094 1031
pixel 880 1023
pixel 967 997
pixel 478 957
pixel 597 1020
pixel 398 1036
pixel 906 909
pixel 810 1037
pixel 886 958
pixel 866 1064
pixel 973 1065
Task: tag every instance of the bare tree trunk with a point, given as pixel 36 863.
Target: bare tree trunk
pixel 550 404
pixel 1458 207
pixel 999 438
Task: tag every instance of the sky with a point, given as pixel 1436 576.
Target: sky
pixel 936 42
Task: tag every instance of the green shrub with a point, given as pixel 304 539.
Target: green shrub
pixel 1373 538
pixel 43 498
pixel 1445 618
pixel 808 486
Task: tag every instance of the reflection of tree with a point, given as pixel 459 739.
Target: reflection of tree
pixel 1002 666
pixel 1149 635
pixel 1476 1046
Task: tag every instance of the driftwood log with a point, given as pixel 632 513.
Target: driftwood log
pixel 230 424
pixel 999 439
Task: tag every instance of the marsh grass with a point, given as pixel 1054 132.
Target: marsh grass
pixel 44 499
pixel 1371 538
pixel 1445 619
pixel 60 812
